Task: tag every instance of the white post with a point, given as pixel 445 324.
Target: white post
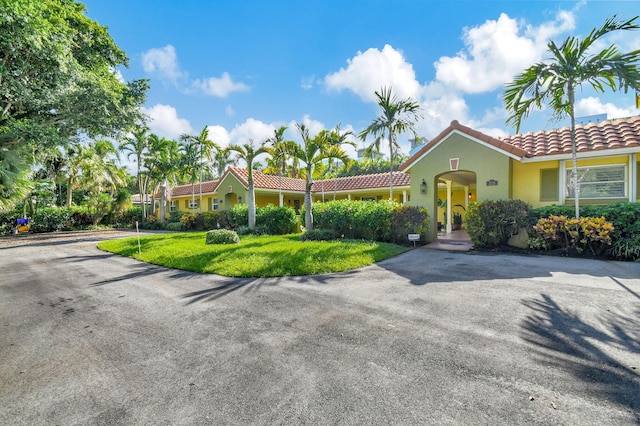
pixel 449 227
pixel 404 196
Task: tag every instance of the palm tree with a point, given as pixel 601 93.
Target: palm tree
pixel 571 65
pixel 337 138
pixel 248 152
pixel 398 116
pixel 163 164
pixel 221 160
pixel 197 149
pixel 312 153
pixel 137 146
pixel 280 152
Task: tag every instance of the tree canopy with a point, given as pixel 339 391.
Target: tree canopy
pixel 59 78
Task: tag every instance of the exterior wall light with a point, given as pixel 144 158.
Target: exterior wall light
pixel 423 187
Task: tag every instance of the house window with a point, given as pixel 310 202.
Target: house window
pixel 192 204
pixel 368 198
pixel 214 204
pixel 599 182
pixel 173 206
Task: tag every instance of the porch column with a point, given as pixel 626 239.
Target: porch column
pixel 348 196
pixel 466 197
pixel 281 199
pixel 449 229
pixel 404 196
pixel 633 178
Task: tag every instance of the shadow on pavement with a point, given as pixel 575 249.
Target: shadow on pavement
pixel 561 339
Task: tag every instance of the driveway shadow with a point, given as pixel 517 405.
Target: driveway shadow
pixel 563 340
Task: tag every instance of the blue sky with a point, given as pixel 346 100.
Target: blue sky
pixel 244 68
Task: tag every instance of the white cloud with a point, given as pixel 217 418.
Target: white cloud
pixel 374 69
pixel 165 121
pixel 164 61
pixel 219 135
pixel 593 105
pixel 219 87
pixel 251 129
pixel 498 50
pixel 308 82
pixel 229 111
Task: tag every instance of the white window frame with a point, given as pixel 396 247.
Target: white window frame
pixel 173 206
pixel 193 204
pixel 569 185
pixel 215 205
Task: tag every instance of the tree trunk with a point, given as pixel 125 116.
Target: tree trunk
pixel 574 151
pixel 252 206
pixel 308 215
pixel 390 166
pixel 69 192
pixel 163 201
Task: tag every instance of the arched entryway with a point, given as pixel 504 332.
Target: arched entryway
pixel 455 189
pixel 230 199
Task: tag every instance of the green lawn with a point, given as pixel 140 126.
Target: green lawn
pixel 255 256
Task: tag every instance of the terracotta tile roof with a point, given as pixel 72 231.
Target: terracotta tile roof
pixel 610 134
pixel 606 135
pixel 182 190
pixel 352 183
pixel 263 181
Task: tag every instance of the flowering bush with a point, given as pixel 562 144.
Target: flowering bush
pixel 587 235
pixel 222 236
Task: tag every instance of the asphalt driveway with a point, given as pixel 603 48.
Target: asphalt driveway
pixel 428 337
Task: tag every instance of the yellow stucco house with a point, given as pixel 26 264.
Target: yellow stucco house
pixel 462 165
pixel 233 188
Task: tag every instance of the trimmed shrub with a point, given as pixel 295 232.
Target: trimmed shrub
pixel 587 235
pixel 355 219
pixel 318 235
pixel 174 226
pixel 238 215
pixel 222 236
pixel 258 230
pixel 491 223
pixel 192 222
pixel 276 220
pixel 408 220
pixel 215 220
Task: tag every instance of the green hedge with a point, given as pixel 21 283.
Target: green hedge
pixel 491 223
pixel 222 236
pixel 379 221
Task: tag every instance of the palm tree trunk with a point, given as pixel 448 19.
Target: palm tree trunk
pixel 390 166
pixel 574 151
pixel 69 192
pixel 163 201
pixel 308 215
pixel 252 206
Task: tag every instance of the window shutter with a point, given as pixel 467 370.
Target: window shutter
pixel 549 184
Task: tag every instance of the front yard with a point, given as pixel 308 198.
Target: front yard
pixel 254 256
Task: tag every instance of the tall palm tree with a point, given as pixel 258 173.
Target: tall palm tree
pixel 280 152
pixel 221 160
pixel 163 164
pixel 397 116
pixel 248 152
pixel 338 138
pixel 198 152
pixel 571 65
pixel 312 152
pixel 137 146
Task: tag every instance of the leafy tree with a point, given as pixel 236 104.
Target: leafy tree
pixel 397 116
pixel 221 160
pixel 337 138
pixel 312 152
pixel 248 152
pixel 571 65
pixel 58 77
